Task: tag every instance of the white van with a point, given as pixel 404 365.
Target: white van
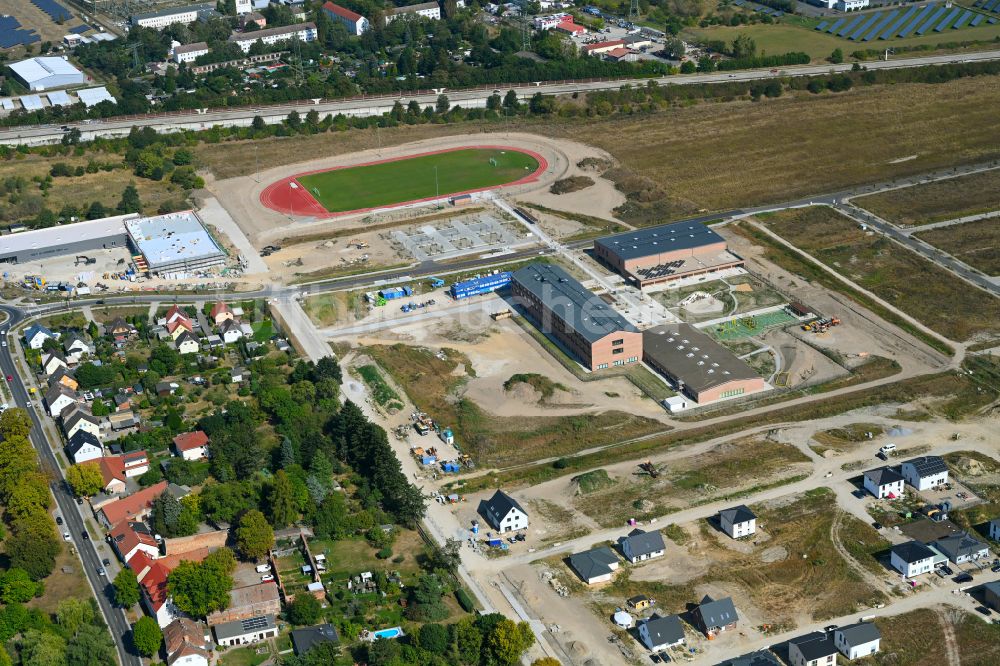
pixel 263 568
pixel 887 449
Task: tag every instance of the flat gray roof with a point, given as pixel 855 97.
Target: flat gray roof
pixel 693 357
pixel 579 307
pixel 170 11
pixel 414 8
pixel 23 241
pixel 165 239
pixel 664 238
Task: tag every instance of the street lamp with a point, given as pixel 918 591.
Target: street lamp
pixel 437 187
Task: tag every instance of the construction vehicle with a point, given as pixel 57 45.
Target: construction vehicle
pixel 84 259
pixel 359 244
pixel 821 325
pixel 649 468
pixel 436 282
pixel 34 282
pixel 422 423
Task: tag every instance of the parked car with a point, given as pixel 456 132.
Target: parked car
pixel 266 578
pixel 66 536
pixel 58 520
pixel 106 562
pixel 964 577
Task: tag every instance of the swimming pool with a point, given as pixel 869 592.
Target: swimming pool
pixel 393 632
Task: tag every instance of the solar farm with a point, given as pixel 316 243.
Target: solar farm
pixel 776 13
pixel 12 34
pixel 914 21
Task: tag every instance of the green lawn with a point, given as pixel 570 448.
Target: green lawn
pixel 263 330
pixel 403 180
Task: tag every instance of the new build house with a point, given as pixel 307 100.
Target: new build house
pixel 857 640
pixel 925 472
pixel 713 616
pixel 961 548
pixel 640 545
pixel 594 566
pixel 884 483
pixel 738 522
pixel 912 558
pixel 815 649
pixel 503 513
pixel 659 633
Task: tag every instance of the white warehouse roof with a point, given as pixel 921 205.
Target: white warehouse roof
pixel 59 98
pixel 14 244
pixel 37 73
pixel 94 96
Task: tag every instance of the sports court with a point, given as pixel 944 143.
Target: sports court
pixel 749 326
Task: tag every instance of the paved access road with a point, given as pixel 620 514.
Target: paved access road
pixel 72 520
pixel 367 106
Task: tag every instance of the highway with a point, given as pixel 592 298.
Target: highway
pixel 376 105
pixel 67 507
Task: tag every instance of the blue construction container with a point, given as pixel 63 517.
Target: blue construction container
pixel 428 460
pixel 480 285
pixel 395 292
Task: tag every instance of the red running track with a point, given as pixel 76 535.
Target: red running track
pixel 288 197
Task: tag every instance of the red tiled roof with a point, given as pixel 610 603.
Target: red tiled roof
pixel 180 322
pixel 132 506
pixel 569 26
pixel 155 584
pixel 618 52
pixel 190 440
pixel 140 563
pixel 175 310
pixel 219 308
pixel 112 467
pixel 603 45
pixel 184 637
pixel 342 12
pixel 127 538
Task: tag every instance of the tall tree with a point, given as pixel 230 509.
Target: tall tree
pixel 91 646
pixel 85 480
pixel 126 586
pixel 281 500
pixel 42 648
pixel 254 536
pixel 146 636
pixel 130 203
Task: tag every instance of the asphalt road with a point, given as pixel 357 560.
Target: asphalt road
pixel 366 106
pixel 72 520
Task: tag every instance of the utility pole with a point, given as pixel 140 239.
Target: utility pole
pixel 633 10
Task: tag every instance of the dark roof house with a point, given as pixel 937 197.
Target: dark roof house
pixel 595 565
pixel 640 545
pixel 713 615
pixel 306 638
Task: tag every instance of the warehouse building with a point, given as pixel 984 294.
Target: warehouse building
pixel 172 243
pixel 576 317
pixel 698 366
pixel 46 72
pixel 168 243
pixel 668 252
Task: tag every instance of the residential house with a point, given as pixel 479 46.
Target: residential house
pixel 166 388
pixel 120 330
pixel 76 347
pixel 83 447
pixel 991 594
pixel 640 545
pixel 884 483
pixel 179 326
pixel 76 418
pixel 230 331
pixel 152 577
pixel 221 312
pixel 58 398
pixel 355 23
pixel 128 537
pixel 187 643
pixel 117 469
pixel 187 343
pixel 994 527
pixel 306 638
pixel 53 361
pixel 173 314
pixel 136 506
pixel 503 513
pixel 961 548
pixel 925 472
pixel 238 374
pixel 247 602
pixel 244 632
pixel 715 616
pixel 253 17
pixel 738 522
pixel 191 445
pixel 123 420
pixel 911 558
pixel 36 335
pixel 857 640
pixel 123 402
pixel 62 376
pixel 815 649
pixel 594 566
pixel 135 463
pixel 659 633
pixel 759 658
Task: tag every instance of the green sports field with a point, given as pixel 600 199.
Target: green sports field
pixel 389 183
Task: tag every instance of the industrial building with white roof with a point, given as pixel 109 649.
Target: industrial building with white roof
pixel 47 72
pixel 172 243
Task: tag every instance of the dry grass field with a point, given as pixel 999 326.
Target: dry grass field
pixel 103 186
pixel 434 384
pixel 917 639
pixel 976 243
pixel 934 296
pixel 935 202
pixel 726 470
pixel 725 155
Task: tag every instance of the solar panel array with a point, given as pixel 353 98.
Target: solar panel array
pixel 776 13
pixel 80 29
pixel 12 34
pixel 915 20
pixel 660 270
pixel 55 11
pixel 988 5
